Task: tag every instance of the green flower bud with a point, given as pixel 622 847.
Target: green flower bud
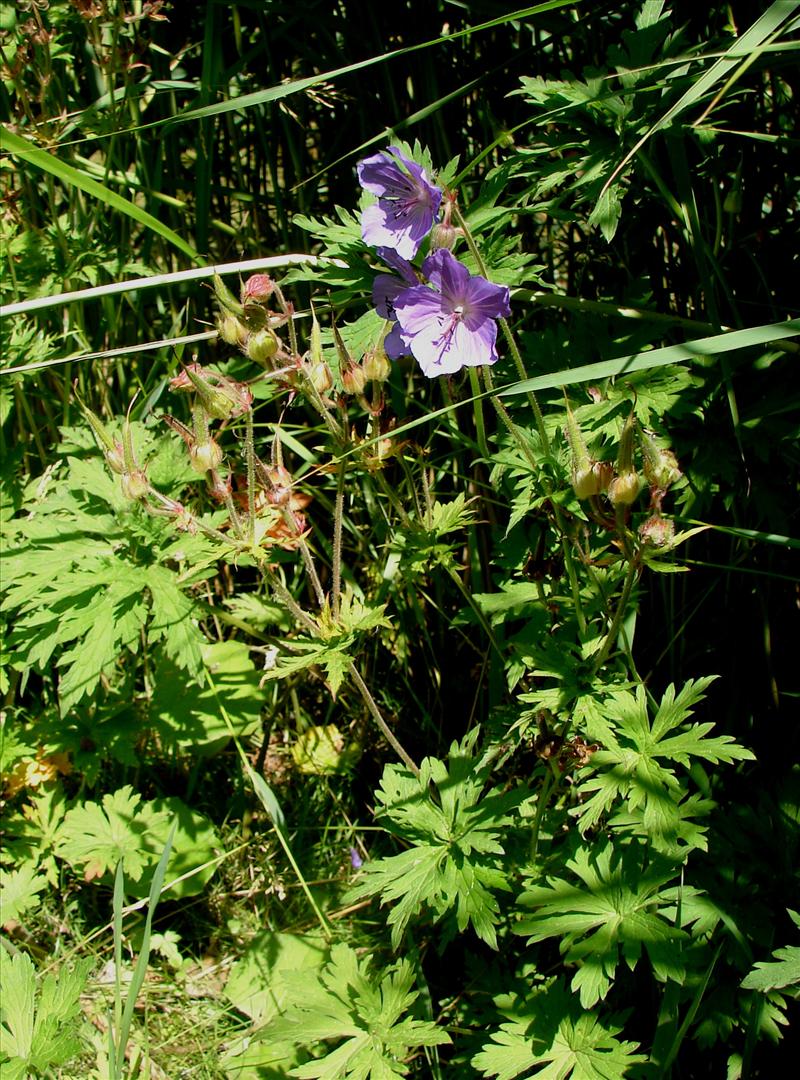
pixel 624 489
pixel 261 346
pixel 592 479
pixel 625 453
pixel 134 485
pixel 660 466
pixel 445 235
pixel 221 398
pixel 319 375
pixel 230 329
pixel 205 456
pixel 113 450
pixel 115 458
pixel 376 366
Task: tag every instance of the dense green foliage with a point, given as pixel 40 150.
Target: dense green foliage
pixel 362 724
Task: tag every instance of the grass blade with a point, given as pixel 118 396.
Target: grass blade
pixel 750 40
pixel 708 347
pixel 49 163
pixel 140 970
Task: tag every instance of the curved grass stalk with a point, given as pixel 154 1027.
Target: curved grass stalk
pixel 198 273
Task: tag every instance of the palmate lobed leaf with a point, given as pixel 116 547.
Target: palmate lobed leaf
pixel 611 914
pixel 345 1001
pixel 454 864
pixel 777 974
pixel 635 763
pixel 557 1041
pixel 334 646
pixel 86 598
pixel 38 1034
pixel 97 837
pixel 19 890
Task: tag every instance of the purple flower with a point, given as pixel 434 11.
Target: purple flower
pixel 453 324
pixel 385 288
pixel 355 859
pixel 407 202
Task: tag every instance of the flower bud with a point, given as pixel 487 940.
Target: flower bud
pixel 261 346
pixel 589 477
pixel 445 236
pixel 205 456
pixel 231 330
pixel 113 450
pixel 624 489
pixel 221 398
pixel 592 479
pixel 376 366
pixel 115 458
pixel 657 531
pixel 660 466
pixel 353 379
pixel 134 485
pixel 625 452
pixel 258 289
pixel 319 375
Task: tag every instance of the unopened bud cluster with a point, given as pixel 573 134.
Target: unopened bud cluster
pixel 622 481
pixel 248 323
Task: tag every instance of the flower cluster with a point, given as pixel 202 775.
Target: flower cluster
pixel 450 322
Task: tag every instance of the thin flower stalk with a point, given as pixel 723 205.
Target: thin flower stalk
pixel 337 539
pixel 250 458
pixel 619 614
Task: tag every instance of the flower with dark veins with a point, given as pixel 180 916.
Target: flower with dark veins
pixel 407 202
pixel 385 288
pixel 453 325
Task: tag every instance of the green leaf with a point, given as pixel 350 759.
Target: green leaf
pixel 636 761
pixel 607 212
pixel 700 348
pixel 172 620
pixel 610 915
pixel 257 983
pixel 334 647
pixel 98 837
pixel 345 1002
pixel 38 1035
pixel 557 1040
pixel 187 716
pixel 195 846
pixel 776 975
pixel 19 889
pixel 454 864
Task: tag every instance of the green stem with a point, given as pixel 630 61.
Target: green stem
pixel 250 458
pixel 379 720
pixel 619 615
pixel 305 620
pixel 480 427
pixel 566 550
pixel 538 420
pixel 337 540
pixel 541 805
pixel 504 326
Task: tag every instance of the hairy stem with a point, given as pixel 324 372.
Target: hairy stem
pixel 619 615
pixel 337 539
pixel 379 720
